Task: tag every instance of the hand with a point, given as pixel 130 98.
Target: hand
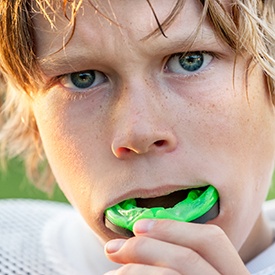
pixel 171 247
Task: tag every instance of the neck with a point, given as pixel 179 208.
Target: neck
pixel 260 237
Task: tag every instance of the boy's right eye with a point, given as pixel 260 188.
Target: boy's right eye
pixel 83 80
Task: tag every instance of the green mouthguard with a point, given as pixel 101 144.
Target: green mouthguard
pixel 198 203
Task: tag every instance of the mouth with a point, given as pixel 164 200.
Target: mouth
pixel 190 205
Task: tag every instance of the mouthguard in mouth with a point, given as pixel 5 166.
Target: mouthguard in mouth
pixel 200 206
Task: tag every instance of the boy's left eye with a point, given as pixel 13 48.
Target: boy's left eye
pixel 188 63
pixel 83 80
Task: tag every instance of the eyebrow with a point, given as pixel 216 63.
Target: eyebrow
pixel 193 40
pixel 204 36
pixel 58 61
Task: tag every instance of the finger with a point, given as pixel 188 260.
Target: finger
pixel 153 252
pixel 137 269
pixel 209 241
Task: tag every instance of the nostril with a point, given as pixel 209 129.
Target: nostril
pixel 124 146
pixel 159 143
pixel 122 150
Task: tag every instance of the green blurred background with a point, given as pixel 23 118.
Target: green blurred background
pixel 14 184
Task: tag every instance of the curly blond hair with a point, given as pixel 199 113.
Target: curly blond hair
pixel 249 26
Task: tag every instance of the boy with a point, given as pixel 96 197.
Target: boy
pixel 141 100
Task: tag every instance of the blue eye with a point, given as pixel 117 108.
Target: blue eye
pixel 192 62
pixel 188 63
pixel 83 80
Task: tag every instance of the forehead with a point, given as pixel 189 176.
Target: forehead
pixel 115 22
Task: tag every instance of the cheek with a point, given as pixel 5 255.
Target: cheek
pixel 231 139
pixel 246 161
pixel 74 150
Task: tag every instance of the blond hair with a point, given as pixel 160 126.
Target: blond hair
pixel 249 26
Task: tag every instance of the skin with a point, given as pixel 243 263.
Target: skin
pixel 148 129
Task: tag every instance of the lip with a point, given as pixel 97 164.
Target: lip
pixel 196 205
pixel 147 194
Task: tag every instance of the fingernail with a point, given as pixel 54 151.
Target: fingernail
pixel 143 226
pixel 114 245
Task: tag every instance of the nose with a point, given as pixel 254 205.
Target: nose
pixel 142 125
pixel 138 141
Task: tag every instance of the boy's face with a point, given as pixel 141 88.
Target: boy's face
pixel 143 121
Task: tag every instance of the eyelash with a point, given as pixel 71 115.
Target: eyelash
pixel 80 93
pixel 71 94
pixel 210 56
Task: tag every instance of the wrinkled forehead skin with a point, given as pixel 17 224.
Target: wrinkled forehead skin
pixel 58 19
